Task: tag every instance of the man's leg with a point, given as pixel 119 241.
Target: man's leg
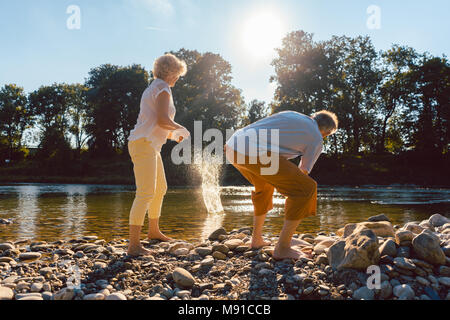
pixel 262 198
pixel 283 248
pixel 301 192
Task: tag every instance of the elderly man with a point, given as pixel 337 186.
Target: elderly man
pixel 278 138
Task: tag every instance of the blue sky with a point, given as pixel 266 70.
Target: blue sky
pixel 38 49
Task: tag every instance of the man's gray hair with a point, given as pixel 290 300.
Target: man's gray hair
pixel 327 121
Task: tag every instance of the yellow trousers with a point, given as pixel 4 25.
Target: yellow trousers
pixel 151 185
pixel 299 189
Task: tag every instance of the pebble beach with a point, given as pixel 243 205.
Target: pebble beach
pixel 408 262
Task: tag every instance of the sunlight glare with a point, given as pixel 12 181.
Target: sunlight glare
pixel 262 33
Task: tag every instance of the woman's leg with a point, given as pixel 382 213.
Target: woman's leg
pixel 154 210
pixel 144 166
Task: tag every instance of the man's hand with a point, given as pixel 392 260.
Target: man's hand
pixel 180 134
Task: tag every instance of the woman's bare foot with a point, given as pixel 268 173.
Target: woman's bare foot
pixel 139 251
pixel 159 236
pixel 288 253
pixel 258 243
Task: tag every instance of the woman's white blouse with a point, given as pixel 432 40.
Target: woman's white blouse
pixel 146 126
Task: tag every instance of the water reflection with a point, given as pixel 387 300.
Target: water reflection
pixel 50 212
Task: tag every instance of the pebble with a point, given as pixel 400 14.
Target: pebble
pixel 404 292
pixel 404 263
pixel 94 296
pixel 364 293
pixel 207 262
pixel 6 293
pixel 30 256
pixel 37 287
pixel 444 281
pixel 116 296
pixel 183 278
pixel 219 255
pixel 6 246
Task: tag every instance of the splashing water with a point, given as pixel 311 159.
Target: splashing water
pixel 209 169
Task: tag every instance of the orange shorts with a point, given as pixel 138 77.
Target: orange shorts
pixel 299 189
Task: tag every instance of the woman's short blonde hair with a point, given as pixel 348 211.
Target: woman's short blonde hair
pixel 327 121
pixel 167 66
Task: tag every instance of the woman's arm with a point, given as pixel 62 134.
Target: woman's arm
pixel 162 113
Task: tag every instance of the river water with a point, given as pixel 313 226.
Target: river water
pixel 61 211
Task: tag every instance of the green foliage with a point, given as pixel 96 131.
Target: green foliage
pixel 366 90
pixel 15 117
pixel 206 93
pixel 256 111
pixel 113 100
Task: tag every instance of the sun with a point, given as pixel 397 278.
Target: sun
pixel 262 33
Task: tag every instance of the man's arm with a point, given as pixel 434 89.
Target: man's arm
pixel 309 158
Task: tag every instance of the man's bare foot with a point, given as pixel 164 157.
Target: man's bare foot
pixel 159 236
pixel 139 251
pixel 288 253
pixel 258 243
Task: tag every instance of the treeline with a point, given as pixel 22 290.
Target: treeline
pixel 389 103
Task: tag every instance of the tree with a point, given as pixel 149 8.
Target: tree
pixel 77 110
pixel 206 93
pixel 113 96
pixel 50 105
pixel 339 75
pixel 430 113
pixel 15 117
pixel 395 90
pixel 256 111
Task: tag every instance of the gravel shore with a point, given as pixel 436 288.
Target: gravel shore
pixel 371 260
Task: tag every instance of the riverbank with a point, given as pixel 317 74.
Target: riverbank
pixel 414 262
pixel 405 169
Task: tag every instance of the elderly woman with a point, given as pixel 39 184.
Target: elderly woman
pixel 155 125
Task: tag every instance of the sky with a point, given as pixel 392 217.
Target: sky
pixel 42 43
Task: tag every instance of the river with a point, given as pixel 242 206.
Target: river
pixel 50 212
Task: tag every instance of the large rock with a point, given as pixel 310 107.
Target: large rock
pixel 427 247
pixel 388 248
pixel 380 228
pixel 183 278
pixel 360 251
pixel 336 254
pixel 437 220
pixel 6 293
pixel 215 234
